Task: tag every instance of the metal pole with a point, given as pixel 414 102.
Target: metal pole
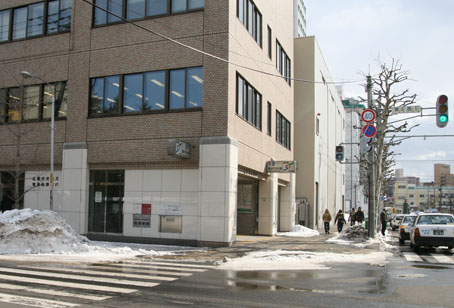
pixel 52 130
pixel 371 210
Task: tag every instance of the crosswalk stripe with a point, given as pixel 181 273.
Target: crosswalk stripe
pixel 443 259
pixel 175 264
pixel 143 271
pixel 66 284
pixel 79 277
pixel 158 267
pixel 52 292
pixel 412 257
pixel 83 271
pixel 35 302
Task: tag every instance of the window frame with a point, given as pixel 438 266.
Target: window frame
pixel 283 131
pixel 252 19
pixel 45 21
pixel 124 11
pixel 6 108
pixel 252 103
pixel 121 102
pixel 270 118
pixel 283 63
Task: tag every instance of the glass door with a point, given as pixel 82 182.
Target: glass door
pixel 106 201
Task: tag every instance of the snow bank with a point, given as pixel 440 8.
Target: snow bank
pixel 355 235
pixel 300 231
pixel 299 260
pixel 35 232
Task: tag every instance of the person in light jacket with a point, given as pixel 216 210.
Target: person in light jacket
pixel 326 220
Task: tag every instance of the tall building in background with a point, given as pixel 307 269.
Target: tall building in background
pixel 154 141
pixel 354 188
pixel 443 175
pixel 299 18
pixel 320 123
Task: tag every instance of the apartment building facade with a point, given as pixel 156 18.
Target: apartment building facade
pixel 166 114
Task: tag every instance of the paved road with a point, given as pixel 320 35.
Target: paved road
pixel 409 280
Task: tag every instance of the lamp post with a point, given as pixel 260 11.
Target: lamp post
pixel 26 74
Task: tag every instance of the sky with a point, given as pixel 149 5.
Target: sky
pixel 353 34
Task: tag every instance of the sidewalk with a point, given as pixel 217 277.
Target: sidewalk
pixel 248 244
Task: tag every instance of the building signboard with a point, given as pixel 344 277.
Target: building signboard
pixel 281 166
pixel 179 148
pixel 171 209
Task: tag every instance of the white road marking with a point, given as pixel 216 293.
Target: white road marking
pixel 52 292
pixel 66 284
pixel 143 271
pixel 158 267
pixel 34 302
pixel 443 259
pixel 412 257
pixel 176 264
pixel 79 277
pixel 83 271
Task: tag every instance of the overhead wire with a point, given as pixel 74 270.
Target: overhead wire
pixel 212 55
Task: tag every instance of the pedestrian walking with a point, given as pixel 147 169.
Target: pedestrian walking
pixel 383 219
pixel 351 218
pixel 326 220
pixel 340 219
pixel 359 216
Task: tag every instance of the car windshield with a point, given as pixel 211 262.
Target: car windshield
pixel 398 217
pixel 408 219
pixel 435 220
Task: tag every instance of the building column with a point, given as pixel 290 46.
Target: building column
pixel 288 205
pixel 218 189
pixel 268 203
pixel 75 178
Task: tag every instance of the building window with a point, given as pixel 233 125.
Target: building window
pixel 147 92
pixel 283 130
pixel 32 103
pixel 270 42
pixel 269 119
pixel 402 186
pixel 421 196
pixel 283 64
pixel 251 18
pixel 248 102
pixel 140 9
pixel 30 21
pixel 317 126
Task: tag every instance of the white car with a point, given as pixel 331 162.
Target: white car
pixel 395 222
pixel 405 227
pixel 432 230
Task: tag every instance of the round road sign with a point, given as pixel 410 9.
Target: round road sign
pixel 369 130
pixel 368 115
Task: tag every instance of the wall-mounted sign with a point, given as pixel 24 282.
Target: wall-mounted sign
pixel 281 166
pixel 171 209
pixel 141 221
pixel 178 148
pixel 146 209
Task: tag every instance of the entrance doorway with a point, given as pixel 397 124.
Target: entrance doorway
pixel 106 201
pixel 247 209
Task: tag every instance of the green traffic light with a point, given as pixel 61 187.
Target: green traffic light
pixel 443 118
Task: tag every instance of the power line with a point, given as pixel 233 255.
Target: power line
pixel 214 56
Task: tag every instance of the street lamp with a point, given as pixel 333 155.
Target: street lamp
pixel 26 74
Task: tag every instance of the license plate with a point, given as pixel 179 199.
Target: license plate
pixel 439 232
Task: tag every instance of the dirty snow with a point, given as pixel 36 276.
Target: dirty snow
pixel 28 234
pixel 300 231
pixel 300 260
pixel 357 236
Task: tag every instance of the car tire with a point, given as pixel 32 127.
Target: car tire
pixel 450 247
pixel 401 242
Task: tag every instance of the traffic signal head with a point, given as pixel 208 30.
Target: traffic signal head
pixel 442 111
pixel 339 153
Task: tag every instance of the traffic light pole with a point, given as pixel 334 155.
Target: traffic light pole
pixel 371 169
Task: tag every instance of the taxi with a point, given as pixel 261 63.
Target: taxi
pixel 432 230
pixel 405 227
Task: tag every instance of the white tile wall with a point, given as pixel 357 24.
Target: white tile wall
pixel 190 180
pixel 190 201
pixel 171 180
pixel 213 204
pixel 133 180
pixel 213 155
pixel 212 229
pixel 73 219
pixel 191 228
pixel 152 180
pixel 214 179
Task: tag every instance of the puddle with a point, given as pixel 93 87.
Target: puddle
pixel 250 286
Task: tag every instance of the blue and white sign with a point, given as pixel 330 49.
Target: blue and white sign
pixel 369 130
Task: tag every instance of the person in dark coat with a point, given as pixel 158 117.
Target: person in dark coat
pixel 352 217
pixel 383 221
pixel 359 216
pixel 340 219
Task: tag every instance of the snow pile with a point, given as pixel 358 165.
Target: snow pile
pixel 299 260
pixel 35 232
pixel 300 231
pixel 355 235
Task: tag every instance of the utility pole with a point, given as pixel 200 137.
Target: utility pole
pixel 371 168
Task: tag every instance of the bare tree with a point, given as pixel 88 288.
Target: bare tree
pixel 387 94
